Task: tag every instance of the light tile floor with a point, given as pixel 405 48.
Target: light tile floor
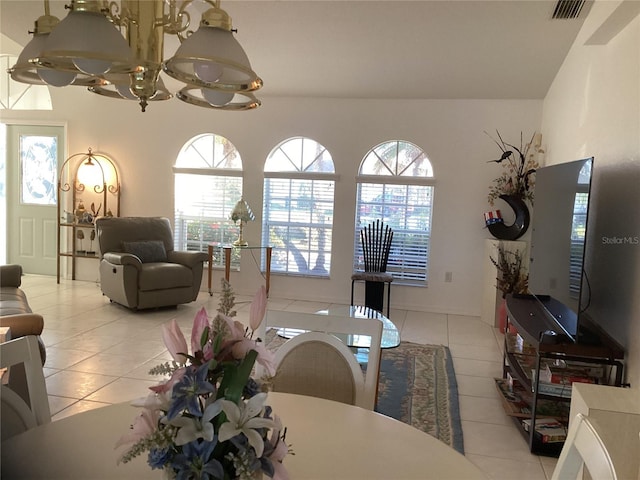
pixel 100 353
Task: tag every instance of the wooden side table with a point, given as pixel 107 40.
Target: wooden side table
pixel 227 262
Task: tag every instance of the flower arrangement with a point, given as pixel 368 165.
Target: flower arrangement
pixel 210 420
pixel 511 276
pixel 516 178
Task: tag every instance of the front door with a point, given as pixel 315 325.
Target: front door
pixel 33 155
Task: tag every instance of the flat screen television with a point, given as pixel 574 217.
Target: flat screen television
pixel 558 240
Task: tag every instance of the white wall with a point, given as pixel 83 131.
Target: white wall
pixel 145 146
pixel 593 109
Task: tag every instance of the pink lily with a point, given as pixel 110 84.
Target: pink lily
pixel 200 323
pixel 258 308
pixel 144 425
pixel 265 357
pixel 280 451
pixel 175 342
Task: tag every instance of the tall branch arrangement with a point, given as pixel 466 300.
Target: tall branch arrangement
pixel 519 165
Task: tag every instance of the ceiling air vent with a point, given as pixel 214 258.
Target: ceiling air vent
pixel 568 9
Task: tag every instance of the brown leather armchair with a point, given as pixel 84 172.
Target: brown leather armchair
pixel 139 267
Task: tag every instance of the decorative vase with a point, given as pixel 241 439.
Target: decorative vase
pixel 502 315
pixel 520 224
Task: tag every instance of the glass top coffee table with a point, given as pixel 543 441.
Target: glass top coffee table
pixel 390 333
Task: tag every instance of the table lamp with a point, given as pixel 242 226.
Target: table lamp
pixel 242 211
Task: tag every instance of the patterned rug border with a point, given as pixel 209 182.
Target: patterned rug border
pixel 454 402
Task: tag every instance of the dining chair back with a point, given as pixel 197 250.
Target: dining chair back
pixel 584 448
pixel 375 242
pixel 16 414
pixel 323 365
pixel 319 365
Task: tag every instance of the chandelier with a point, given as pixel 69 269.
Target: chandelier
pixel 88 49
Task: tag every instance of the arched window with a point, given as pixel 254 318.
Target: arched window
pixel 395 185
pixel 208 183
pixel 298 207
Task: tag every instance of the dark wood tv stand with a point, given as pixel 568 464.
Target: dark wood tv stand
pixel 533 341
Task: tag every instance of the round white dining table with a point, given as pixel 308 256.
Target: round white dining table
pixel 331 440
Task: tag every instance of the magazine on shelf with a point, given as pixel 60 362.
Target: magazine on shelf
pixel 548 430
pixel 517 401
pixel 568 373
pixel 557 375
pixel 556 390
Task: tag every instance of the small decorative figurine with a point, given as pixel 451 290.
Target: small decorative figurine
pixel 80 236
pixel 92 237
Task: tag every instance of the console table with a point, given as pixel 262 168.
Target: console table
pixel 540 344
pixel 227 261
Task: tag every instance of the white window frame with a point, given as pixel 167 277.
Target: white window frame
pixel 310 253
pixel 210 213
pixel 397 193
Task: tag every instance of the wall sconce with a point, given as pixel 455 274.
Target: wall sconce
pixel 243 213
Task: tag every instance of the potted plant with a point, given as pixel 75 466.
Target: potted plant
pixel 511 278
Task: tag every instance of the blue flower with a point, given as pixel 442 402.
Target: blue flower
pixel 196 462
pixel 158 457
pixel 186 392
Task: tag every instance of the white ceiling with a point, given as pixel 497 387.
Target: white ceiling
pixel 384 49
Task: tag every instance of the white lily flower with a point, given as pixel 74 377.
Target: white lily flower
pixel 191 429
pixel 244 419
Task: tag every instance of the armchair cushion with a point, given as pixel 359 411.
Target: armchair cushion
pixel 159 276
pixel 149 251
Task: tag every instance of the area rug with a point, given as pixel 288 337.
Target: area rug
pixel 418 387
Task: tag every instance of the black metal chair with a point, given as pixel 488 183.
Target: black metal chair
pixel 375 239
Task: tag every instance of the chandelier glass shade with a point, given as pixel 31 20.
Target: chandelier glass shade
pixel 213 58
pixel 89 41
pixel 25 71
pixel 88 49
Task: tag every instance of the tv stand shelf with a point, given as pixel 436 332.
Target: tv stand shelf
pixel 541 337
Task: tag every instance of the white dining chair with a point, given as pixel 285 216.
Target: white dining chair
pixel 584 448
pixel 321 364
pixel 17 415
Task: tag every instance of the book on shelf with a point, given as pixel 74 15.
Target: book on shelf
pixel 567 375
pixel 555 390
pixel 547 430
pixel 513 403
pixel 558 381
pixel 517 401
pixel 557 375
